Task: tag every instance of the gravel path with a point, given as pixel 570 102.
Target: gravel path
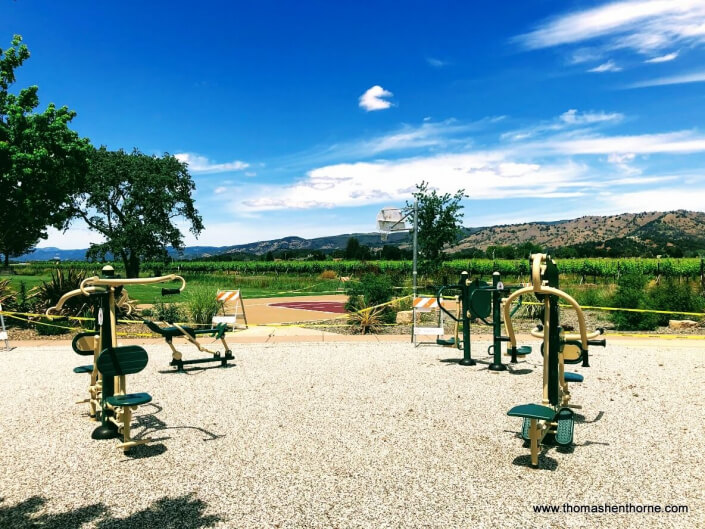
pixel 352 435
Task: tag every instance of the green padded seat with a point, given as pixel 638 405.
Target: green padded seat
pixel 524 350
pixel 83 369
pixel 573 377
pixel 131 399
pixel 118 361
pixel 533 411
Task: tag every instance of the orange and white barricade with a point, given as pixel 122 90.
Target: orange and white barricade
pixel 421 305
pixel 229 301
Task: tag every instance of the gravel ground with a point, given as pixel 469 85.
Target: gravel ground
pixel 352 435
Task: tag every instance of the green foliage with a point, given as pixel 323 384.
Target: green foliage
pixel 62 281
pixel 50 327
pixel 132 200
pixel 168 312
pixel 370 291
pixel 674 295
pixel 42 162
pixel 367 319
pixel 631 294
pixel 201 304
pixel 439 221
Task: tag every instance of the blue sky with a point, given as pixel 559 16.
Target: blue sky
pixel 305 118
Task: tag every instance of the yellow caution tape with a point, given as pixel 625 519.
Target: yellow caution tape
pixel 588 307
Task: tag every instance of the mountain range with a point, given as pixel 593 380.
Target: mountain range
pixel 639 230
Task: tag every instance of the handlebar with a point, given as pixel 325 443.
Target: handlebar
pixel 113 282
pixel 440 304
pixel 72 293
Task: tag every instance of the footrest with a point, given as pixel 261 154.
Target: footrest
pixel 521 350
pixel 83 369
pixel 573 377
pixel 533 411
pixel 564 427
pixel 131 399
pixel 525 429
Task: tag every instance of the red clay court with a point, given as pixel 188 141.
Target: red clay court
pixel 336 307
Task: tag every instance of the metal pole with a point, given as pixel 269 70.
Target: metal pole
pixel 496 364
pixel 465 307
pixel 416 232
pixel 3 332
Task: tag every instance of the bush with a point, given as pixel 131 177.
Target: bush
pixel 370 291
pixel 671 294
pixel 328 274
pixel 202 304
pixel 49 327
pixel 631 294
pixel 168 312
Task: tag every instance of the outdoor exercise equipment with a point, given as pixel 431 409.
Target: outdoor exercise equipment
pixel 176 330
pixel 109 400
pixel 552 420
pixel 478 300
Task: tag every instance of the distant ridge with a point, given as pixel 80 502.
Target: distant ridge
pixel 648 229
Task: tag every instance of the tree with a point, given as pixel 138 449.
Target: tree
pixel 132 200
pixel 42 161
pixel 439 223
pixel 352 248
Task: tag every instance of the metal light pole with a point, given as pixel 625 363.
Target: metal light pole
pixel 387 221
pixel 416 233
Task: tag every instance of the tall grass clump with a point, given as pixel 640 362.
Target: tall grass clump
pixel 202 305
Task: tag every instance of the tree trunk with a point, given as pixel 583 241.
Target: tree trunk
pixel 7 259
pixel 132 265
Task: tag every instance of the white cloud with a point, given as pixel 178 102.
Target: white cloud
pixel 663 58
pixel 220 190
pixel 570 118
pixel 573 117
pixel 608 66
pixel 661 199
pixel 682 142
pixel 201 164
pixel 640 25
pixel 436 63
pixel 373 99
pixel 485 175
pixel 695 77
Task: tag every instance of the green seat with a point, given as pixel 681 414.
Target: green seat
pixel 573 377
pixel 83 369
pixel 533 411
pixel 131 399
pixel 524 350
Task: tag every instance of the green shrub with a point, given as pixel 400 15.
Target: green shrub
pixel 370 291
pixel 631 293
pixel 168 312
pixel 202 305
pixel 671 294
pixel 49 327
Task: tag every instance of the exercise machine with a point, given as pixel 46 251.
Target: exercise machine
pixel 552 421
pixel 477 301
